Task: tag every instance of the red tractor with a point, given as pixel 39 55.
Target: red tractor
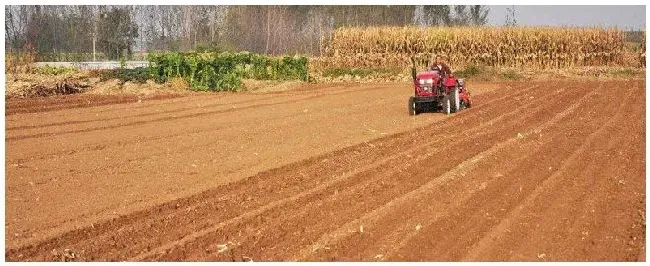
pixel 434 90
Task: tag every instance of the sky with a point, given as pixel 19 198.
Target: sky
pixel 624 17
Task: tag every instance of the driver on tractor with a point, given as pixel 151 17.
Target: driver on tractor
pixel 440 66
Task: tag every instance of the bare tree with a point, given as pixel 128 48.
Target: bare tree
pixel 478 14
pixel 56 30
pixel 437 15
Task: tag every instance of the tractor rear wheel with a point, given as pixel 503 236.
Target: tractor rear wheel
pixel 413 106
pixel 446 105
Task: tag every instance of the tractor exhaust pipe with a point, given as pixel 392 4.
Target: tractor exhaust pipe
pixel 414 72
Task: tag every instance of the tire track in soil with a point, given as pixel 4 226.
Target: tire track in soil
pixel 344 230
pixel 350 227
pixel 165 117
pixel 370 219
pixel 341 187
pixel 137 115
pixel 625 187
pixel 607 226
pixel 157 229
pixel 118 110
pixel 156 120
pixel 492 206
pixel 24 106
pixel 476 109
pixel 560 176
pixel 142 140
pixel 478 182
pixel 291 241
pixel 183 100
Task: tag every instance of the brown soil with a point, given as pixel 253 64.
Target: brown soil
pixel 43 104
pixel 534 171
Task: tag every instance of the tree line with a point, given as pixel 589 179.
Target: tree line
pixel 120 31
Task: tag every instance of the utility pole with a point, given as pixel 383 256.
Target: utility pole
pixel 97 15
pixel 511 19
pixel 268 29
pixel 94 40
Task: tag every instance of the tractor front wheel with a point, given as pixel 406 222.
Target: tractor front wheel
pixel 413 106
pixel 446 105
pixel 455 99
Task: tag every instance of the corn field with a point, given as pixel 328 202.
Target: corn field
pixel 642 55
pixel 537 47
pixel 20 62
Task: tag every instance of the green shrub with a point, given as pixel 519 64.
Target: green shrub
pixel 122 62
pixel 52 70
pixel 224 71
pixel 138 74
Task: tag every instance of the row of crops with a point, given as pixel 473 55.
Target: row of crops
pixel 224 71
pixel 540 47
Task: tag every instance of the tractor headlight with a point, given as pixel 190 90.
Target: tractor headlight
pixel 429 81
pixel 421 82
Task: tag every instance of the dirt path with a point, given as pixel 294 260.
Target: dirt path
pixel 533 171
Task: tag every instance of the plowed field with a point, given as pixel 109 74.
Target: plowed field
pixel 534 171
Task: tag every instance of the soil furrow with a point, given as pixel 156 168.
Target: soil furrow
pixel 533 171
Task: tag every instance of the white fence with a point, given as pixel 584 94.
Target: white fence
pixel 94 65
